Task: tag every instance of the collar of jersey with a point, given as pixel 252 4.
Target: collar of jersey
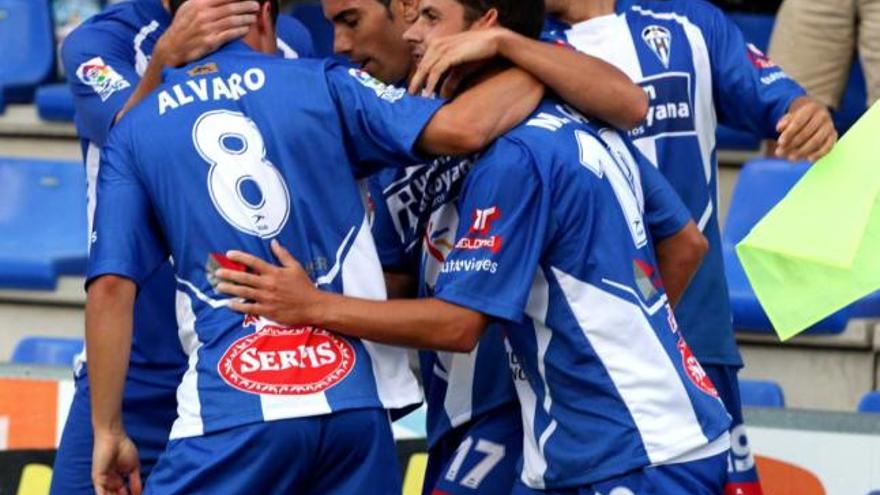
pixel 153 9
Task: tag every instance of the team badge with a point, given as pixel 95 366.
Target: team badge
pixel 659 40
pixel 101 77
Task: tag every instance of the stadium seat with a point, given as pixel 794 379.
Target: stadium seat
pixel 311 15
pixel 42 222
pixel 27 47
pixel 55 102
pixel 761 393
pixel 2 102
pixel 870 403
pixel 48 351
pixel 762 183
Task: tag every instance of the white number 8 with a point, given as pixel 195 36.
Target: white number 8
pixel 247 190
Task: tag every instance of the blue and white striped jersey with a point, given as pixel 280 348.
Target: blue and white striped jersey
pixel 555 239
pixel 231 152
pixel 104 59
pixel 697 69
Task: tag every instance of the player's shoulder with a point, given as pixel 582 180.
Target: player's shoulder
pixel 106 30
pixel 698 12
pixel 295 34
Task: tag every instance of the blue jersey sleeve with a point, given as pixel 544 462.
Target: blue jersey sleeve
pixel 101 73
pixel 126 239
pixel 504 216
pixel 665 212
pixel 750 91
pixel 294 40
pixel 381 123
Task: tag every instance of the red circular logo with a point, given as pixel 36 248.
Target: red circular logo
pixel 694 370
pixel 287 361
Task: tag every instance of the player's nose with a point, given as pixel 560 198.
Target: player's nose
pixel 342 43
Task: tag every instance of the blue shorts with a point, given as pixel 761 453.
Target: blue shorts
pixel 479 457
pixel 702 477
pixel 343 453
pixel 742 472
pixel 149 408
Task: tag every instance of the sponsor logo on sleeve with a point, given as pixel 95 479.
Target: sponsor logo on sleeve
pixel 759 60
pixel 694 370
pixel 384 91
pixel 101 77
pixel 478 234
pixel 659 40
pixel 279 360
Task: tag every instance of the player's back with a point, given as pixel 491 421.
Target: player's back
pixel 611 384
pixel 231 152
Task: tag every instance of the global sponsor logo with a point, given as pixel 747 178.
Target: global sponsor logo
pixel 659 40
pixel 384 91
pixel 102 78
pixel 215 262
pixel 484 265
pixel 483 219
pixel 694 370
pixel 647 279
pixel 492 243
pixel 670 108
pixel 279 360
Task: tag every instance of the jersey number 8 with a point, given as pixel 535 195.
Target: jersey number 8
pixel 247 190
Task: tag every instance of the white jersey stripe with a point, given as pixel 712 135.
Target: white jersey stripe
pixel 189 409
pixel 459 402
pixel 647 381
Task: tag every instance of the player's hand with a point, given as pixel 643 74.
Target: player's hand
pixel 202 26
pixel 806 131
pixel 116 469
pixel 283 294
pixel 448 52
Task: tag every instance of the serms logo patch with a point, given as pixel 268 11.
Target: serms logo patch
pixel 479 237
pixel 279 360
pixel 101 78
pixel 694 370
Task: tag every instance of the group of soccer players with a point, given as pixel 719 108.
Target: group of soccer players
pixel 554 281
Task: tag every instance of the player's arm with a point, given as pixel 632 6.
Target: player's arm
pixel 477 116
pixel 593 86
pixel 199 27
pixel 754 93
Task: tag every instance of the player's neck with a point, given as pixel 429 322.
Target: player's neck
pixel 262 42
pixel 580 11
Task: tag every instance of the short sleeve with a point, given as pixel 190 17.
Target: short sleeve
pixel 125 239
pixel 381 123
pixel 751 92
pixel 665 212
pixel 504 214
pixel 101 73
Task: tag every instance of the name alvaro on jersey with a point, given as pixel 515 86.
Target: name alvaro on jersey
pixel 231 87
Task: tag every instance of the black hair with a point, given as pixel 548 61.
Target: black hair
pixel 175 5
pixel 525 17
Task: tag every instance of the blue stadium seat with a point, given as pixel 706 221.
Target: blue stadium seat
pixel 55 102
pixel 42 222
pixel 2 102
pixel 27 47
pixel 761 393
pixel 311 15
pixel 870 403
pixel 762 183
pixel 48 351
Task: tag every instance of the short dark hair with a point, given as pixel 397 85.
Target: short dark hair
pixel 525 17
pixel 174 5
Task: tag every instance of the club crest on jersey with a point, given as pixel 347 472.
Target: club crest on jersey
pixel 279 360
pixel 694 370
pixel 659 40
pixel 387 92
pixel 101 77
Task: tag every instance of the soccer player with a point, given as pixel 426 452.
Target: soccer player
pixel 697 70
pixel 232 151
pixel 549 238
pixel 113 60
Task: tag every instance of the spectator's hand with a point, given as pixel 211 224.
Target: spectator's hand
pixel 806 132
pixel 282 294
pixel 202 26
pixel 448 52
pixel 115 465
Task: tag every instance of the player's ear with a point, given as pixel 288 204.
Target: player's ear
pixel 487 20
pixel 410 9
